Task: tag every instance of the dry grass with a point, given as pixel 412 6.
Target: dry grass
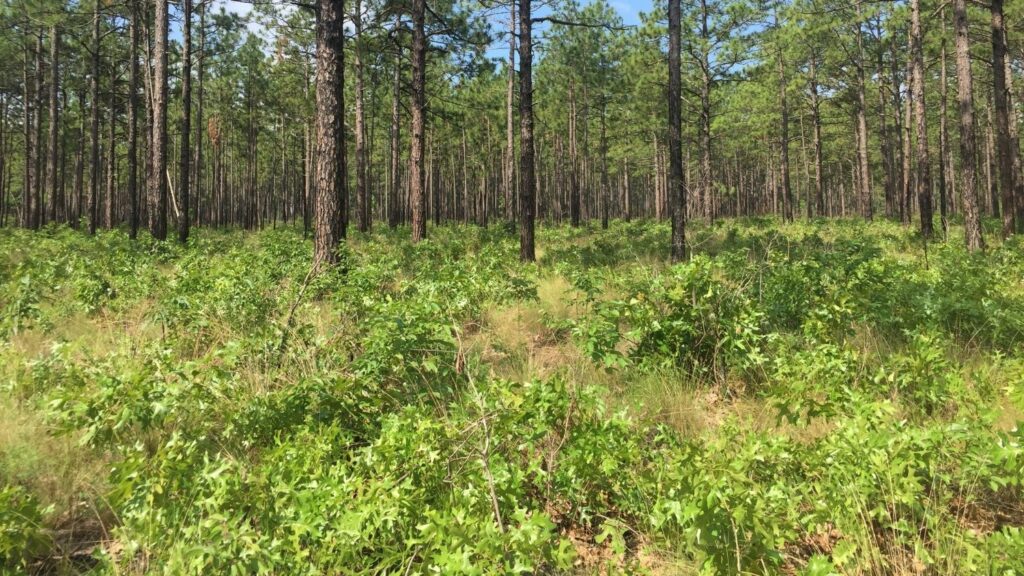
pixel 68 479
pixel 517 342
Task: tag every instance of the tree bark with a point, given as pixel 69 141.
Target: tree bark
pixel 924 177
pixel 819 184
pixel 1018 172
pixel 37 137
pixel 944 156
pixel 527 178
pixel 27 114
pixel 51 164
pixel 133 121
pixel 676 183
pixel 707 184
pixel 111 157
pixel 605 188
pixel 574 161
pixel 3 160
pixel 510 141
pixel 197 189
pixel 787 189
pixel 968 140
pixel 363 220
pixel 184 162
pixel 417 176
pixel 1000 98
pixel 158 149
pixel 864 169
pixel 393 195
pixel 94 123
pixel 330 114
pixel 889 152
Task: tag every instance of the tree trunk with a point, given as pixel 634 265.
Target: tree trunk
pixel 3 160
pixel 889 153
pixel 527 179
pixel 363 220
pixel 707 185
pixel 393 201
pixel 510 141
pixel 417 181
pixel 819 184
pixel 787 189
pixel 968 143
pixel 108 216
pixel 51 164
pixel 133 120
pixel 94 123
pixel 944 156
pixel 79 185
pixel 924 177
pixel 1000 99
pixel 1018 180
pixel 605 188
pixel 676 184
pixel 864 169
pixel 574 161
pixel 197 189
pixel 28 113
pixel 907 139
pixel 330 115
pixel 184 192
pixel 37 137
pixel 627 200
pixel 158 150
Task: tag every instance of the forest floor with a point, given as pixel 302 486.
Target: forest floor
pixel 813 398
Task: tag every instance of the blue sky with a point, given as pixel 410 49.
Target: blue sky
pixel 629 11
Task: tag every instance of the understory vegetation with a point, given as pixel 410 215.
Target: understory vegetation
pixel 814 398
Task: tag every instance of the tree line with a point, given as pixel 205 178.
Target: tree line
pixel 147 113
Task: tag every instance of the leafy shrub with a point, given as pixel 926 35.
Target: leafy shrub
pixel 23 537
pixel 689 318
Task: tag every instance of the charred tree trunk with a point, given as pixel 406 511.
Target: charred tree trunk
pixel 510 141
pixel 676 184
pixel 184 162
pixel 527 179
